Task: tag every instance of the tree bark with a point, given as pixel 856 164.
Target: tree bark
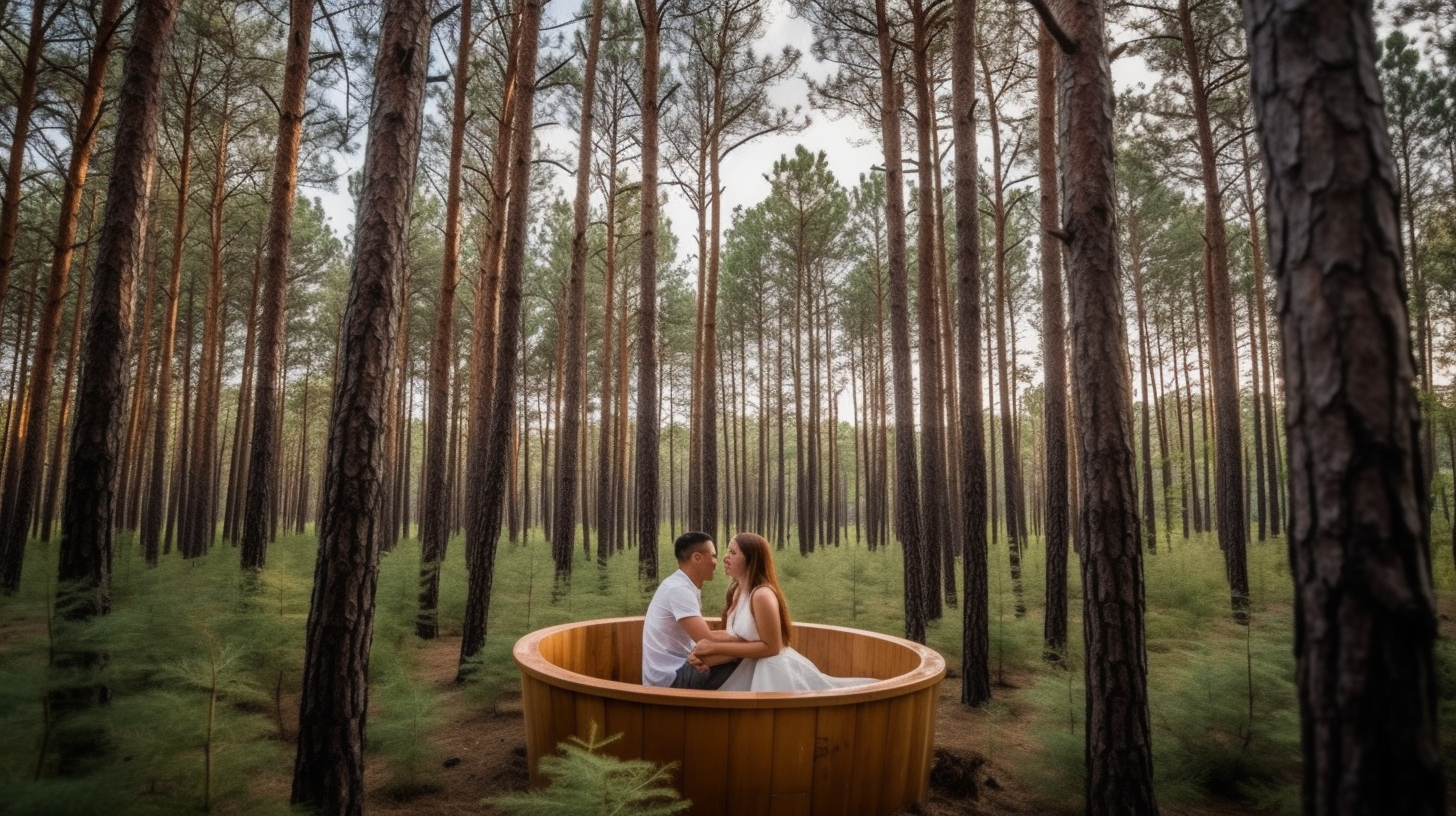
pixel 1118 739
pixel 487 513
pixel 975 612
pixel 328 773
pixel 435 515
pixel 259 511
pixel 1233 527
pixel 648 432
pixel 154 510
pixel 907 487
pixel 934 497
pixel 20 503
pixel 1054 353
pixel 197 528
pixel 89 506
pixel 568 460
pixel 1364 605
pixel 485 321
pixel 25 99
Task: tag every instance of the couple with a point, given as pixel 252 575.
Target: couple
pixel 751 652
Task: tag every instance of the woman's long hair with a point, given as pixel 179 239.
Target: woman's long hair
pixel 758 571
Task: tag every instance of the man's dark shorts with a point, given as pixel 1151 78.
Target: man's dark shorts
pixel 710 680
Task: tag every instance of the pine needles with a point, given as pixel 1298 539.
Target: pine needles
pixel 586 782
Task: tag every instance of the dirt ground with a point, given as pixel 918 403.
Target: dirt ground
pixel 485 754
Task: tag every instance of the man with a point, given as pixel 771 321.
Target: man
pixel 675 621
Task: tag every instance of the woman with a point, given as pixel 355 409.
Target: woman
pixel 759 617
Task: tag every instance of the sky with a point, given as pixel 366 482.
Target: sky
pixel 851 149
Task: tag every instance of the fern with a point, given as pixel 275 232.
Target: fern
pixel 585 782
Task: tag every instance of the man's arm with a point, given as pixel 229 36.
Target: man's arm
pixel 697 629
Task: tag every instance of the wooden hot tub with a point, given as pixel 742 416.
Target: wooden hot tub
pixel 863 750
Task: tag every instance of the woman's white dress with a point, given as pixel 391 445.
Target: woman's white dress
pixel 786 671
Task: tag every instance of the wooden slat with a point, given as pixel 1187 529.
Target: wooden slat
pixel 662 737
pixel 536 702
pixel 897 756
pixel 834 739
pixel 705 760
pixel 625 718
pixel 749 763
pixel 591 711
pixel 793 752
pixel 917 780
pixel 872 720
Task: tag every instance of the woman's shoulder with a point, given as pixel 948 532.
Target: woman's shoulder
pixel 763 593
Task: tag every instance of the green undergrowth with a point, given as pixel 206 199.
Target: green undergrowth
pixel 202 667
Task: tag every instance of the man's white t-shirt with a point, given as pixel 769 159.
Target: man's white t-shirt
pixel 665 644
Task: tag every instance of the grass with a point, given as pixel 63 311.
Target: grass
pixel 204 668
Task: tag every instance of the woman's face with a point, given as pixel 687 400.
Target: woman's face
pixel 733 561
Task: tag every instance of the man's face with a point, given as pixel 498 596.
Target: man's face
pixel 705 562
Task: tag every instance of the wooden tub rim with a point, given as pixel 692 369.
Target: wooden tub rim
pixel 527 654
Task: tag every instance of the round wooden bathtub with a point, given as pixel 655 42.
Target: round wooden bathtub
pixel 863 750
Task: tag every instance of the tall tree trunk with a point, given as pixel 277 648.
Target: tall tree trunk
pixel 568 458
pixel 87 513
pixel 934 497
pixel 485 321
pixel 259 511
pixel 19 503
pixel 1364 632
pixel 1264 368
pixel 650 12
pixel 434 522
pixel 53 478
pixel 907 487
pixel 1233 527
pixel 487 513
pixel 154 510
pixel 975 615
pixel 606 506
pixel 24 106
pixel 238 461
pixel 1054 352
pixel 328 773
pixel 1118 738
pixel 197 530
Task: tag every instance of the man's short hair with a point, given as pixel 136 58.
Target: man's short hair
pixel 683 547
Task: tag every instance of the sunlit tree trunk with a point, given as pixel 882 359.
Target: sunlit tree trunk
pixel 41 19
pixel 259 512
pixel 154 512
pixel 197 528
pixel 19 502
pixel 58 449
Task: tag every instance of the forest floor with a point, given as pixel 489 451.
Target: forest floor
pixel 485 755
